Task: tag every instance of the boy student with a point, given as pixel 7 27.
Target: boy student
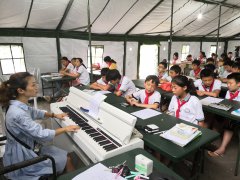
pixel 210 61
pixel 148 97
pixel 101 84
pixel 208 85
pixel 122 85
pixel 227 70
pixel 233 93
pixel 236 67
pixel 195 72
pixel 162 70
pixel 174 71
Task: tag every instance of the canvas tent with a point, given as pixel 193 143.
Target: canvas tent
pixel 51 29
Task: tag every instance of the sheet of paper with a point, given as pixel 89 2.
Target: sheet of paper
pixel 95 102
pixel 104 92
pixel 146 113
pixel 208 100
pixel 97 172
pixel 89 91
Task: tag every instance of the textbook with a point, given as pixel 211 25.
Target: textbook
pixel 181 134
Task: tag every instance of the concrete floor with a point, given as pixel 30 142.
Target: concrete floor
pixel 215 168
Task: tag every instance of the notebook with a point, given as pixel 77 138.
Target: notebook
pixel 181 134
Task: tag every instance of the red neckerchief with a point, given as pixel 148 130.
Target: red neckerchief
pixel 233 95
pixel 210 88
pixel 197 72
pixel 147 97
pixel 179 107
pixel 109 64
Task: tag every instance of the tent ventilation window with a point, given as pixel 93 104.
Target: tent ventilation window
pixel 185 52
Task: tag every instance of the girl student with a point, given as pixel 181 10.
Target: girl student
pixel 183 105
pixel 23 132
pixel 80 73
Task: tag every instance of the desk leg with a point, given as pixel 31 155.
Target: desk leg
pixel 238 154
pixel 52 90
pixel 197 164
pixel 42 88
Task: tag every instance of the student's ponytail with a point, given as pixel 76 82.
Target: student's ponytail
pixel 81 61
pixel 184 81
pixel 112 61
pixel 8 89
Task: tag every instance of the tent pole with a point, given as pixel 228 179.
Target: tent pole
pixel 138 58
pixel 58 51
pixel 219 21
pixel 170 38
pixel 124 56
pixel 201 45
pixel 90 41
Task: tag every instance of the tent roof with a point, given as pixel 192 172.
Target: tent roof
pixel 125 17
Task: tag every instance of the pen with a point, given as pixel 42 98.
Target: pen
pixel 160 132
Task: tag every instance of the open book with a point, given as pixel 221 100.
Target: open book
pixel 181 134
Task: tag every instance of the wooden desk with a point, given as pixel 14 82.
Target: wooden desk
pixel 130 161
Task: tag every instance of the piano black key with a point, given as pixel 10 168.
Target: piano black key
pixel 102 143
pixel 94 134
pixel 115 142
pixel 90 131
pixel 99 138
pixel 86 127
pixel 109 147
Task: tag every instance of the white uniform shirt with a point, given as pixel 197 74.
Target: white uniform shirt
pixel 235 99
pixel 141 95
pixel 224 74
pixel 70 67
pixel 84 77
pixel 178 61
pixel 216 86
pixel 168 78
pixel 190 111
pixel 100 81
pixel 192 74
pixel 127 86
pixel 164 76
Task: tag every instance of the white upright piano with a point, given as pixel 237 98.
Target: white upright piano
pixel 99 138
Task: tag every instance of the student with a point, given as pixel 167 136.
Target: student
pixel 189 58
pixel 148 97
pixel 236 67
pixel 174 71
pixel 214 57
pixel 183 105
pixel 202 57
pixel 122 84
pixel 176 59
pixel 227 70
pixel 237 59
pixel 208 85
pixel 162 70
pixel 101 84
pixel 80 73
pixel 23 132
pixel 108 62
pixel 67 66
pixel 210 61
pixel 233 93
pixel 195 72
pixel 220 69
pixel 230 56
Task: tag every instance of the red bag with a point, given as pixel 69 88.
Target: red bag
pixel 166 86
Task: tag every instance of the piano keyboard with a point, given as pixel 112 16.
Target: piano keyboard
pixel 105 141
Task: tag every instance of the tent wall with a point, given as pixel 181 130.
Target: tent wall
pixel 232 44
